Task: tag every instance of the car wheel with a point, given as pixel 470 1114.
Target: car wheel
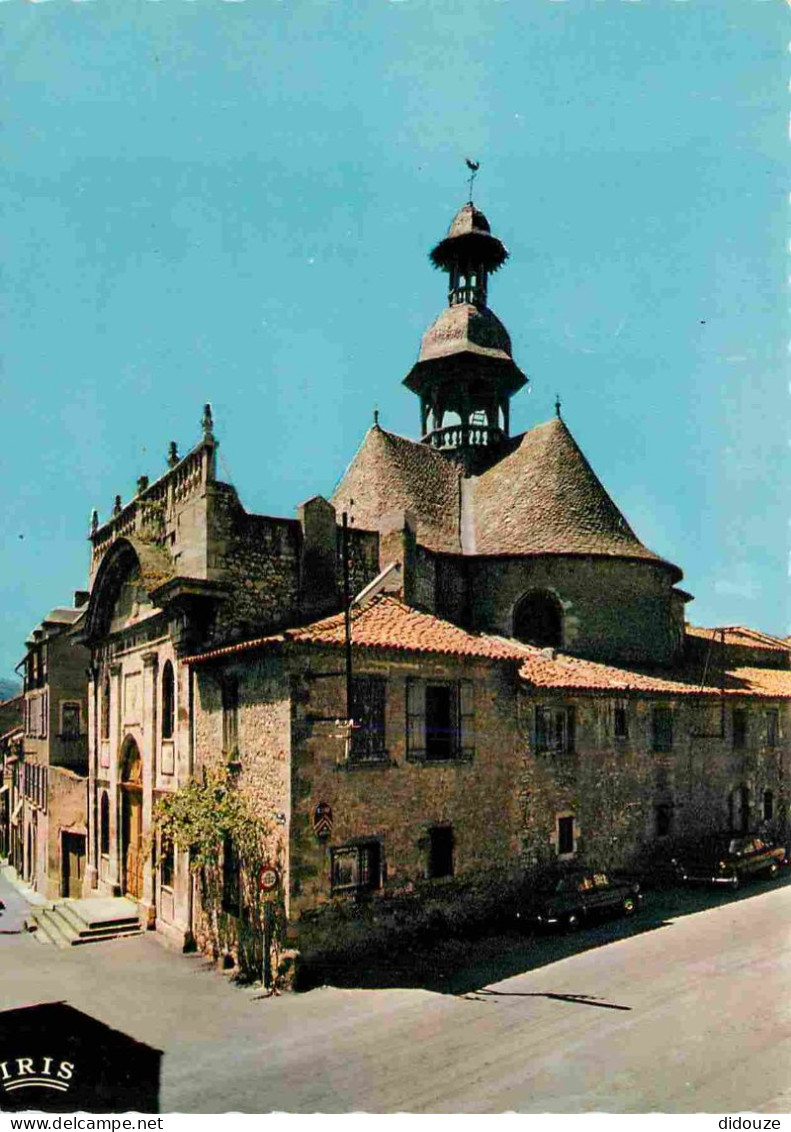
pixel 735 881
pixel 572 921
pixel 629 906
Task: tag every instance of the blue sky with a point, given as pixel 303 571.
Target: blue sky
pixel 234 202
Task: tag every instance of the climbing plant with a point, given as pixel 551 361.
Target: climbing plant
pixel 210 818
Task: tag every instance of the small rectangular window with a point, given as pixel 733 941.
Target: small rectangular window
pixel 772 727
pixel 166 863
pixel 664 819
pixel 70 721
pixel 662 729
pixel 440 852
pixel 441 732
pixel 620 723
pixel 357 868
pixel 769 805
pixel 739 729
pixel 231 886
pixel 565 836
pixel 368 713
pixel 230 715
pixel 555 729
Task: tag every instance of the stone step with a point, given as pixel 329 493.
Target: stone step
pixel 103 912
pixel 58 929
pixel 84 927
pixel 66 923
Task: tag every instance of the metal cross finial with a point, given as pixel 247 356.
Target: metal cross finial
pixel 473 166
pixel 557 406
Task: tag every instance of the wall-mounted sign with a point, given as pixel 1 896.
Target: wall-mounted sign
pixel 267 878
pixel 322 820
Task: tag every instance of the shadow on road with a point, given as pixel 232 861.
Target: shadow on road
pixel 460 966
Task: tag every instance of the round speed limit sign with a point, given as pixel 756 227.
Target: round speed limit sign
pixel 268 878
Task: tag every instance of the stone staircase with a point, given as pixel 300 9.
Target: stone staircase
pixel 71 923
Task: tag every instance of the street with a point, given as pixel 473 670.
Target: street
pixel 685 1008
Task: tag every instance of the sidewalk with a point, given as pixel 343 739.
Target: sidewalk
pixel 18 898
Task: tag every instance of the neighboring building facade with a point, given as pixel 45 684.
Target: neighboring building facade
pixel 11 738
pixel 48 780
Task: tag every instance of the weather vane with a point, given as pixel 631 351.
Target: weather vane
pixel 473 166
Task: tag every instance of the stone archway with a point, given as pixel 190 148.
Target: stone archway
pixel 132 850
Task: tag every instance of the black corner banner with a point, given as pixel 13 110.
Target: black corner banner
pixel 55 1058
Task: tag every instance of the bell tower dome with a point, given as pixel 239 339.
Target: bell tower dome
pixel 465 367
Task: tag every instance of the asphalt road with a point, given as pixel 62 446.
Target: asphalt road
pixel 685 1008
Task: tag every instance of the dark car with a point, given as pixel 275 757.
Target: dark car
pixel 570 900
pixel 730 860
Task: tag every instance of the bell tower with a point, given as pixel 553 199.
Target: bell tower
pixel 465 370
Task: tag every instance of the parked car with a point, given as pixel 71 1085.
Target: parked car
pixel 729 860
pixel 571 899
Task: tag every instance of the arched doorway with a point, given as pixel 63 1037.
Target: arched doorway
pixel 132 853
pixel 538 620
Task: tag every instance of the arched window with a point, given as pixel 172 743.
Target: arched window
pixel 104 825
pixel 168 701
pixel 106 708
pixel 538 620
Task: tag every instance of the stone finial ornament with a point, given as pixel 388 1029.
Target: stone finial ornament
pixel 117 506
pixel 94 521
pixel 207 423
pixel 173 454
pixel 142 484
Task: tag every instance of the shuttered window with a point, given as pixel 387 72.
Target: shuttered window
pixel 440 720
pixel 555 729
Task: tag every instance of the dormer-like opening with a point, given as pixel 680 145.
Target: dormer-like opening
pixel 538 620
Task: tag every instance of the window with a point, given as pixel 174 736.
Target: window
pixel 70 721
pixel 440 717
pixel 104 825
pixel 357 868
pixel 739 810
pixel 440 851
pixel 441 736
pixel 166 863
pixel 231 886
pixel 230 715
pixel 538 620
pixel 663 814
pixel 565 835
pixel 769 805
pixel 106 708
pixel 368 713
pixel 555 729
pixel 662 729
pixel 772 727
pixel 168 701
pixel 739 729
pixel 620 722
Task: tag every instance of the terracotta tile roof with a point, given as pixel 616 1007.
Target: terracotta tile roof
pixel 390 473
pixel 386 623
pixel 544 498
pixel 740 636
pixel 541 670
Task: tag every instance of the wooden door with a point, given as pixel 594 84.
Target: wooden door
pixel 73 864
pixel 132 843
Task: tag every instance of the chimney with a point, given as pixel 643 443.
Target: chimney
pixel 318 558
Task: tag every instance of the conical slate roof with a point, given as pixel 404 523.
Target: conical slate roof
pixel 390 473
pixel 541 497
pixel 544 498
